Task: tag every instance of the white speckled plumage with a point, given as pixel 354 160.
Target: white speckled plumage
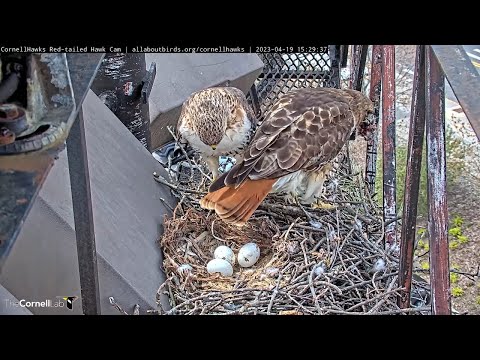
pixel 217 121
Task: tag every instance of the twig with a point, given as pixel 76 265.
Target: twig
pixel 274 294
pixel 161 180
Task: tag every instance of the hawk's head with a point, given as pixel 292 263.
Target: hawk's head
pixel 368 126
pixel 212 111
pixel 364 109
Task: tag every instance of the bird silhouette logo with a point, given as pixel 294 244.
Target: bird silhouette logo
pixel 69 300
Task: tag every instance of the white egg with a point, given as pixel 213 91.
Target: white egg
pixel 225 253
pixel 220 266
pixel 248 255
pixel 184 269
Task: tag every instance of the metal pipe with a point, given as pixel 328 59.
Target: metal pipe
pixel 437 186
pixel 388 138
pixel 412 177
pixel 375 91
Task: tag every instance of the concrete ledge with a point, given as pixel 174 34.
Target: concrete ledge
pixel 128 219
pixel 179 75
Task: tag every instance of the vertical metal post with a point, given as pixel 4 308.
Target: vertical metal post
pixel 335 65
pixel 360 54
pixel 351 53
pixel 375 91
pixel 119 84
pixel 437 181
pixel 388 138
pixel 412 177
pixel 83 216
pixel 343 55
pixel 255 101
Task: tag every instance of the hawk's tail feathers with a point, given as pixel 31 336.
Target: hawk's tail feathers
pixel 236 206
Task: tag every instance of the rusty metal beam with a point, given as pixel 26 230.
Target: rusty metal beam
pixel 437 181
pixel 375 91
pixel 463 78
pixel 412 177
pixel 388 138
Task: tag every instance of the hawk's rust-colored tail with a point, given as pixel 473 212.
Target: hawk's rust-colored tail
pixel 236 206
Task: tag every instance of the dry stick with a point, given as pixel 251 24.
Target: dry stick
pixel 379 296
pixel 274 294
pixel 161 180
pixel 381 302
pixel 312 289
pixel 304 211
pixel 368 281
pixel 388 312
pixel 167 205
pixel 213 234
pixel 256 302
pixel 194 242
pixel 304 252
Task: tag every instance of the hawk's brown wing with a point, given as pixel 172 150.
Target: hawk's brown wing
pixel 304 130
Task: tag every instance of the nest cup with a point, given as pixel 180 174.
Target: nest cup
pixel 312 261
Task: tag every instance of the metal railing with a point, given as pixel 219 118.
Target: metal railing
pixel 433 64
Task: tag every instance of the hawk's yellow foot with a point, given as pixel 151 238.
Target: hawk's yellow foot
pixel 322 205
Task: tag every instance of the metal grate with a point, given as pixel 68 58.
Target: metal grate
pixel 283 72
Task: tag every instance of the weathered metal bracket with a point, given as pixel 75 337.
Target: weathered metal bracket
pixel 37 109
pixel 147 82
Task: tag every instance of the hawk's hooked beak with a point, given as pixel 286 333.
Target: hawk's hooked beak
pixel 213 147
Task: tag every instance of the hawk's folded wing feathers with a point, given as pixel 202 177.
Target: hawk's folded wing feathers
pixel 303 131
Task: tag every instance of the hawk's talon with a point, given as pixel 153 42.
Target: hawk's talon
pixel 291 199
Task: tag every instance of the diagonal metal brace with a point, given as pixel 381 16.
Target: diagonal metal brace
pixel 147 82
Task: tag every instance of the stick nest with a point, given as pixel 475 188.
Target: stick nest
pixel 312 261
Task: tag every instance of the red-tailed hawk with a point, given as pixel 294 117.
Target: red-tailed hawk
pixel 292 151
pixel 217 121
